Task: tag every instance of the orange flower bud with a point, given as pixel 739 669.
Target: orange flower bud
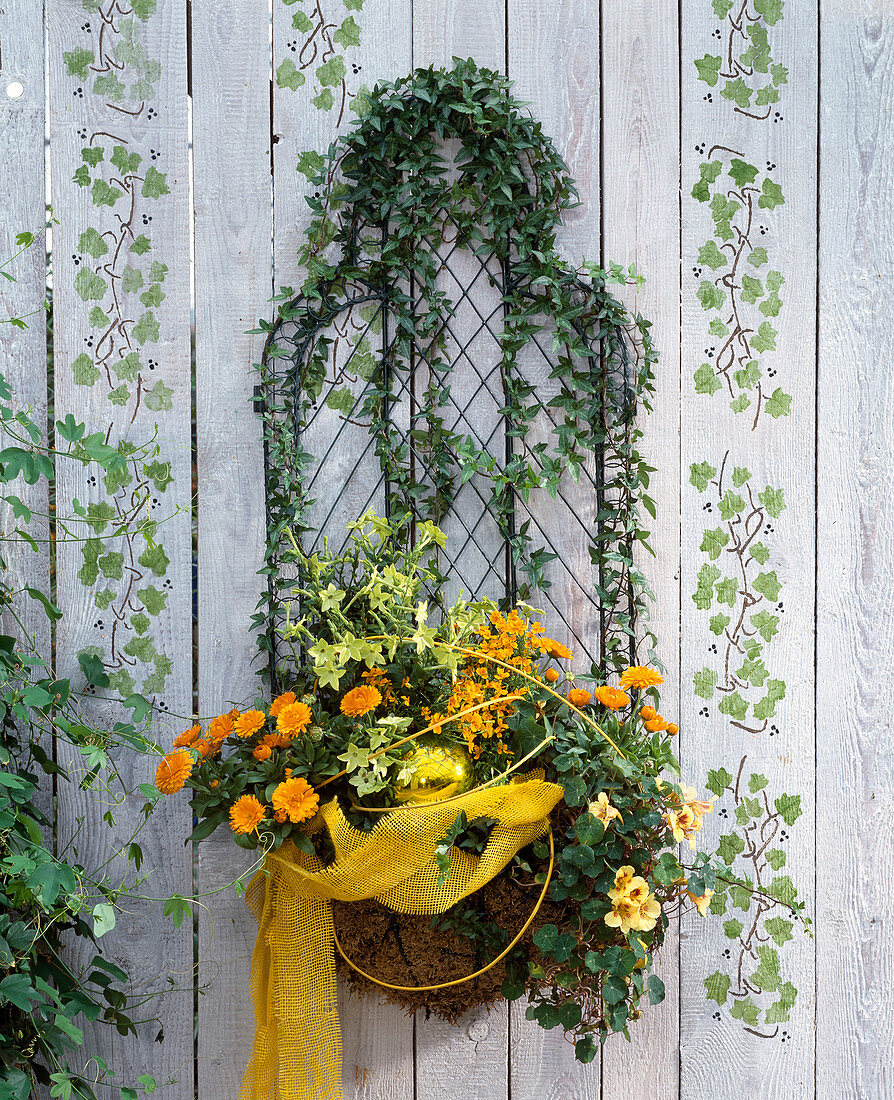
pixel 550 676
pixel 648 713
pixel 672 729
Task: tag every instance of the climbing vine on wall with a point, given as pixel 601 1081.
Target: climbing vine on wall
pixel 738 286
pixel 746 73
pixel 740 593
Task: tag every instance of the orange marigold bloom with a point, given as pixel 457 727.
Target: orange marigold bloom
pixel 284 700
pixel 187 737
pixel 555 649
pixel 612 697
pixel 640 677
pixel 280 816
pixel 579 697
pixel 360 701
pixel 648 713
pixel 657 724
pixel 249 723
pixel 297 798
pixel 246 814
pixel 673 729
pixel 275 740
pixel 262 752
pixel 173 771
pixel 294 718
pixel 206 746
pixel 220 728
pixel 551 676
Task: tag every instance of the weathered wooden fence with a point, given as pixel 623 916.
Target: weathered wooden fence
pixel 756 198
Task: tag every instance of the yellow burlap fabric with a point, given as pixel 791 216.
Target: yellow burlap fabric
pixel 297 1047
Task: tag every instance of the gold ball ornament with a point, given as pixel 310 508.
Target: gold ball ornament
pixel 441 769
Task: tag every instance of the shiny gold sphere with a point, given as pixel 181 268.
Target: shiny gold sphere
pixel 442 769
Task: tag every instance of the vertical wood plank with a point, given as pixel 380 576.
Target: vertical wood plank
pixel 118 96
pixel 640 169
pixel 855 576
pixel 316 77
pixel 233 209
pixel 471 1059
pixel 747 412
pixel 554 64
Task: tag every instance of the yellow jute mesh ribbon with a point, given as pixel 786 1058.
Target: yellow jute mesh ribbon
pixel 297 1046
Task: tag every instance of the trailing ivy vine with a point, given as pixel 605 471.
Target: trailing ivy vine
pixel 386 205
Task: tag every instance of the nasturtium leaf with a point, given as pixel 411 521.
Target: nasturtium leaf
pixel 103 918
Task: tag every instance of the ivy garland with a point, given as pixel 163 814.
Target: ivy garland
pixel 385 206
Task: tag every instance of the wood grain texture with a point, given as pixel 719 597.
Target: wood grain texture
pixel 233 218
pixel 855 574
pixel 717 1051
pixel 640 211
pixel 146 117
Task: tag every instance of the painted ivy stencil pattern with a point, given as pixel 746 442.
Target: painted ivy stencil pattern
pixel 121 282
pixel 751 78
pixel 757 901
pixel 740 594
pixel 738 287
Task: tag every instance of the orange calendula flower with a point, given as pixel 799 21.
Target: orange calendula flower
pixel 297 798
pixel 293 719
pixel 173 771
pixel 187 737
pixel 657 724
pixel 220 728
pixel 360 701
pixel 214 783
pixel 673 729
pixel 246 814
pixel 262 752
pixel 579 697
pixel 284 700
pixel 612 697
pixel 640 677
pixel 249 723
pixel 555 649
pixel 648 713
pixel 206 747
pixel 551 676
pixel 280 816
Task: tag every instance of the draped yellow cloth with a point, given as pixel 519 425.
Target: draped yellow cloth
pixel 297 1046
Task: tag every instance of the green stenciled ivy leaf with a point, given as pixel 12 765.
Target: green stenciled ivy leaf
pixel 324 100
pixel 758 256
pixel 146 328
pixel 155 681
pixel 718 328
pixel 778 404
pixel 779 74
pixel 718 781
pixel 740 896
pixel 780 929
pixel 766 95
pixel 757 782
pixel 738 92
pixel 780 1011
pixel 353 5
pixel 741 403
pixel 730 504
pixel 157 271
pixel 97 317
pixel 332 72
pixel 754 671
pixel 710 295
pixel 746 1011
pixel 752 289
pixel 707 174
pixel 766 708
pixel 91 242
pixel 104 598
pixel 301 22
pixel 741 172
pixel 143 9
pixel 776 858
pixel 82 176
pixel 713 542
pixel 131 279
pixel 111 565
pixel 706 380
pixel 99 516
pixel 89 571
pixel 311 164
pixel 773 500
pixel 722 8
pixel 733 928
pixel 103 194
pixel 153 599
pixel 730 846
pixel 122 682
pixel 749 376
pixel 771 195
pixel 704 682
pixel 708 69
pixel 141 245
pixel 160 474
pixel 718 904
pixel 159 398
pixel 771 306
pixel 701 474
pixel 768 584
pixel 288 75
pixel 341 400
pixel 771 10
pixel 717 986
pixel 90 286
pixel 766 624
pixel 363 361
pixel 727 590
pixel 120 395
pixel 783 889
pixel 348 34
pixel 155 184
pixel 84 371
pixel 153 297
pixel 77 62
pixel 723 210
pixel 741 474
pixel 759 552
pixel 142 647
pixel 155 558
pixel 127 367
pixel 110 87
pixel 125 162
pixel 788 806
pixel 704 593
pixel 734 706
pixel 718 624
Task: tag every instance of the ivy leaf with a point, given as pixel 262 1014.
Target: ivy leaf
pixel 332 72
pixel 125 162
pixel 771 195
pixel 742 172
pixel 780 929
pixel 788 806
pixel 301 22
pixel 131 279
pixel 734 706
pixel 348 34
pixel 710 295
pixel 730 846
pixel 155 558
pixel 738 92
pixel 324 100
pixel 752 289
pixel 701 474
pixel 84 371
pixel 719 623
pixel 704 592
pixel 727 590
pixel 778 404
pixel 707 173
pixel 77 62
pixel 140 245
pixel 91 243
pixel 768 584
pixel 776 857
pixel 713 542
pixel 310 164
pixel 708 69
pixel 717 986
pixel 103 194
pixel 704 683
pixel 341 400
pixel 146 328
pixel 89 285
pixel 783 889
pixel 746 1011
pixel 154 600
pixel 159 398
pixel 758 256
pixel 733 928
pixel 766 624
pixel 771 10
pixel 288 76
pixel 706 380
pixel 773 500
pixel 730 504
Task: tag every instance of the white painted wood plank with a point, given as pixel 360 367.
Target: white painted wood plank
pixel 855 577
pixel 117 81
pixel 377 1037
pixel 718 1052
pixel 640 170
pixel 233 209
pixel 554 64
